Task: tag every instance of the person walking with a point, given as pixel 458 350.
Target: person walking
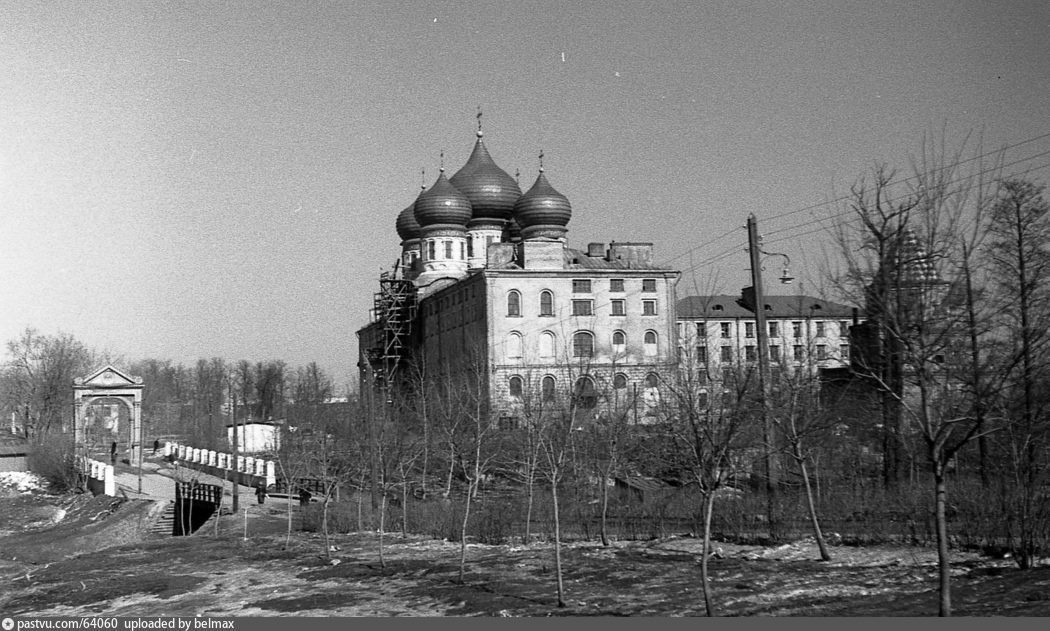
pixel 113 453
pixel 260 492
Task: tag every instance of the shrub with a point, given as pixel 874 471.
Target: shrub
pixel 52 457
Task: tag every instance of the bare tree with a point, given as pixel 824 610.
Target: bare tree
pixel 1019 231
pixel 38 379
pixel 709 436
pixel 904 251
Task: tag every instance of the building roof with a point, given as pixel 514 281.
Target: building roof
pixel 727 306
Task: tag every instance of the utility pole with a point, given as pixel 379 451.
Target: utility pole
pixel 755 251
pixel 233 417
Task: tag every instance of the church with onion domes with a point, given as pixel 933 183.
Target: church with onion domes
pixel 487 285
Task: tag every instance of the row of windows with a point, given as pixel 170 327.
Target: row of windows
pixel 583 388
pixel 580 307
pixel 616 285
pixel 726 329
pixel 751 353
pixel 582 343
pixel 447 247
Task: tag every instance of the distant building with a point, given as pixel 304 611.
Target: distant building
pixel 718 333
pixel 255 437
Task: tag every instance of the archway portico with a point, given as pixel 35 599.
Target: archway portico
pixel 109 386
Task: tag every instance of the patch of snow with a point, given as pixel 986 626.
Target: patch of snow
pixel 22 482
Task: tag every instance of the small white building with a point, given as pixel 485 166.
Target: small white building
pixel 255 437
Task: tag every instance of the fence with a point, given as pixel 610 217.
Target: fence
pixel 247 470
pixel 100 478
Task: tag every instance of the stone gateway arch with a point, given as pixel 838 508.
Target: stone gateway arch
pixel 109 388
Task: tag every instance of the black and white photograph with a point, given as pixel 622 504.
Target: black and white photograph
pixel 337 309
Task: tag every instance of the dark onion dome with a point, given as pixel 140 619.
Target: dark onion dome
pixel 542 211
pixel 407 226
pixel 491 191
pixel 442 205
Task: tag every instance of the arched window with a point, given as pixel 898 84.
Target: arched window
pixel 651 394
pixel 431 254
pixel 619 381
pixel 514 345
pixel 650 342
pixel 585 394
pixel 516 386
pixel 513 304
pixel 582 344
pixel 548 388
pixel 619 340
pixel 546 303
pixel 547 344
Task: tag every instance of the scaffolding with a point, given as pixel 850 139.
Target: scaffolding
pixel 394 312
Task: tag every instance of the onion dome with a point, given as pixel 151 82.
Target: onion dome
pixel 542 211
pixel 442 205
pixel 491 191
pixel 407 226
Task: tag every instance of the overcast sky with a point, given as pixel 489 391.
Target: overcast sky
pixel 221 179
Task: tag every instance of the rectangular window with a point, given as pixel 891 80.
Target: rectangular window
pixel 648 307
pixel 796 330
pixel 581 286
pixel 844 328
pixel 509 423
pixel 701 355
pixel 844 352
pixel 616 285
pixel 750 353
pixel 701 330
pixel 773 330
pixel 725 329
pixel 799 356
pixel 649 285
pixel 749 329
pixel 619 307
pixel 820 329
pixel 774 353
pixel 582 307
pixel 822 352
pixel 727 354
pixel 448 249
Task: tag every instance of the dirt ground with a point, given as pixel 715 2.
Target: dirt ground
pixel 135 573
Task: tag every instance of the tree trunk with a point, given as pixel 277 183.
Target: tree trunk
pixel 817 534
pixel 557 541
pixel 605 507
pixel 324 527
pixel 463 531
pixel 705 584
pixel 382 518
pixel 943 559
pixel 529 502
